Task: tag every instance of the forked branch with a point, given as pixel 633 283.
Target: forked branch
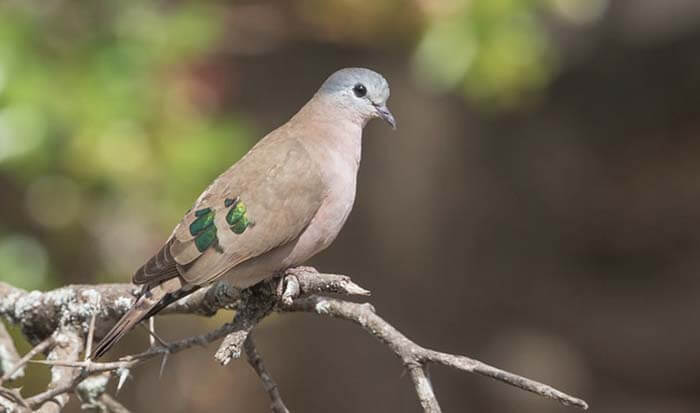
pixel 61 321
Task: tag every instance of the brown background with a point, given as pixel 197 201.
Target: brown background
pixel 557 239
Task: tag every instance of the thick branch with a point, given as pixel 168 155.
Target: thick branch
pixel 40 313
pixel 68 346
pixel 257 302
pixel 9 357
pixel 39 348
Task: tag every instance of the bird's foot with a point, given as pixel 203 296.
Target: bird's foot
pixel 289 289
pixel 289 286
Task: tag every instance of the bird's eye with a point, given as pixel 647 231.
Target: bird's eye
pixel 360 90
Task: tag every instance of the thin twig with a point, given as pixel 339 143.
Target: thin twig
pixel 152 331
pixel 474 366
pixel 424 389
pixel 130 361
pixel 39 348
pixel 254 359
pixel 14 396
pixel 125 363
pixel 91 334
pixel 153 335
pixel 55 392
pixel 112 405
pixel 412 354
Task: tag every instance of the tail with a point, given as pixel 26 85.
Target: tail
pixel 150 302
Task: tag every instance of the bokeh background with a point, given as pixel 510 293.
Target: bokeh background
pixel 536 209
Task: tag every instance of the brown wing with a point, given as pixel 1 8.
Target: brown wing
pixel 161 266
pixel 264 201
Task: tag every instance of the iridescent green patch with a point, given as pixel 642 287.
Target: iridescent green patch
pixel 237 217
pixel 236 213
pixel 206 238
pixel 201 212
pixel 205 217
pixel 203 229
pixel 240 226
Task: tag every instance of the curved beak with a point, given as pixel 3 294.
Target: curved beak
pixel 384 113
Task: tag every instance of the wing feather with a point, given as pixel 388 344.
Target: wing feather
pixel 281 189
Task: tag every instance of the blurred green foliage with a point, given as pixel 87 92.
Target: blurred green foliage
pixel 496 51
pixel 97 120
pixel 108 132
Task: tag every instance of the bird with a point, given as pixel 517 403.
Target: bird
pixel 279 205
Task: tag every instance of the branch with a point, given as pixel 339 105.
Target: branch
pixel 259 300
pixel 68 346
pixel 255 361
pixel 256 303
pixel 424 388
pixel 413 355
pixel 9 357
pixel 41 313
pixel 70 311
pixel 90 367
pixel 112 405
pixel 39 348
pixel 11 400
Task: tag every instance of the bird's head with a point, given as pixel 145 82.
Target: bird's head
pixel 361 92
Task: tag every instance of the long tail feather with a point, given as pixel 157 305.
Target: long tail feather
pixel 149 303
pixel 141 310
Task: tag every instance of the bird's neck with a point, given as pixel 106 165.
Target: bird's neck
pixel 331 128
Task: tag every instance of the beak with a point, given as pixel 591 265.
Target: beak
pixel 384 113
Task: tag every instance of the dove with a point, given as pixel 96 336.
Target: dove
pixel 279 205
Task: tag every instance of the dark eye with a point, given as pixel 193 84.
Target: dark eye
pixel 360 90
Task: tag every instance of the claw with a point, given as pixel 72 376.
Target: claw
pixel 292 290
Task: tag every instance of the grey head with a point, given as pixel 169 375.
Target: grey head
pixel 361 91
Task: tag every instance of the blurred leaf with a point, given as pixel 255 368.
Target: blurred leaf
pixel 495 51
pixel 100 94
pixel 23 262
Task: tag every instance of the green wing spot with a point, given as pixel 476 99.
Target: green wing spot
pixel 201 212
pixel 203 229
pixel 237 217
pixel 236 213
pixel 205 218
pixel 206 238
pixel 240 225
